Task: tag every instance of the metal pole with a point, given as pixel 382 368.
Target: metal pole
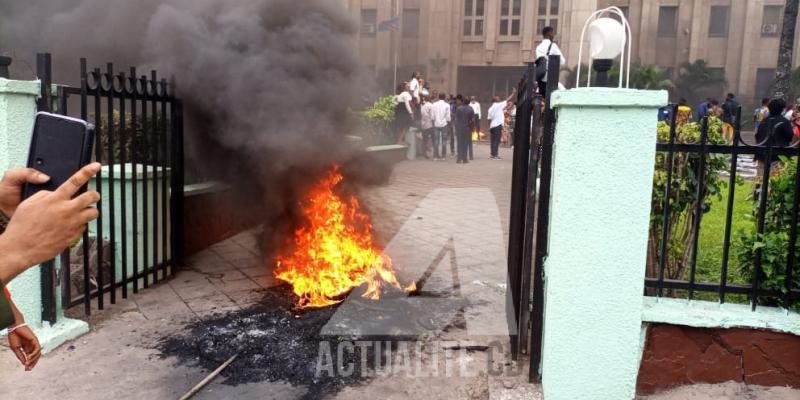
pixel 395 45
pixel 519 177
pixel 46 270
pixel 543 223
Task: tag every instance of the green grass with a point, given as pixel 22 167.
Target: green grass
pixel 712 236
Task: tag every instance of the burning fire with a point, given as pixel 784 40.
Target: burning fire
pixel 333 252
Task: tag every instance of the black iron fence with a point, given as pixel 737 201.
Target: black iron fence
pixel 137 240
pixel 530 210
pixel 697 170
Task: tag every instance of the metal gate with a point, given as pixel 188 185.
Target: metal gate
pixel 137 240
pixel 530 210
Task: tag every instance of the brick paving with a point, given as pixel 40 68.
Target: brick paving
pixel 391 205
pixel 116 359
pixel 424 205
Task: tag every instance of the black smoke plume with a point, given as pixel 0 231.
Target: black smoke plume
pixel 268 85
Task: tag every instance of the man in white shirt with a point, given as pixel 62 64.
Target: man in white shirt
pixel 414 86
pixel 545 49
pixel 476 108
pixel 496 117
pixel 441 119
pixel 426 123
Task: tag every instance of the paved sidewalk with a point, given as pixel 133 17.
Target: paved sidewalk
pixel 439 217
pixel 116 359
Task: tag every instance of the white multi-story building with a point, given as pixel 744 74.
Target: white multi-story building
pixel 480 46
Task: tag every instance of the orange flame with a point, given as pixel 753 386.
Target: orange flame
pixel 333 251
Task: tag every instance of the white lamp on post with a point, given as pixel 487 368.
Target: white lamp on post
pixel 608 38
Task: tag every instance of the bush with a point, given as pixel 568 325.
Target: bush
pixel 140 145
pixel 683 198
pixel 381 114
pixel 774 242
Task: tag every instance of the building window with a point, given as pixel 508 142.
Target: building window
pixel 771 23
pixel 410 23
pixel 510 17
pixel 765 77
pixel 542 7
pixel 369 20
pixel 547 15
pixel 624 10
pixel 718 21
pixel 474 11
pixel 667 21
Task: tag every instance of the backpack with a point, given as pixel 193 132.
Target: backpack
pixel 541 64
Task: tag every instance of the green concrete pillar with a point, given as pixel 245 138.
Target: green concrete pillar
pixel 604 156
pixel 17 111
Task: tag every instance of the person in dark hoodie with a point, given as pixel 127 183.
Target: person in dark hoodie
pixel 774 131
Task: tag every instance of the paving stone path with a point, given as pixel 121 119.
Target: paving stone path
pixel 116 360
pixel 440 220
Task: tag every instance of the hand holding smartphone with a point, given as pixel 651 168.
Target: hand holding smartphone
pixel 60 146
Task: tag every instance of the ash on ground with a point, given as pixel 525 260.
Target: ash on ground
pixel 276 342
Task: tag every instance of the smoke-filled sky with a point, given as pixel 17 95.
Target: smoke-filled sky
pixel 267 83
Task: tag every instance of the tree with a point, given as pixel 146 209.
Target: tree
pixel 785 50
pixel 571 74
pixel 649 77
pixel 794 84
pixel 698 81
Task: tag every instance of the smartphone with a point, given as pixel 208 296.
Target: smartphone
pixel 60 146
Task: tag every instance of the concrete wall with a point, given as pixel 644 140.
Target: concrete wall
pixel 676 355
pixel 211 214
pixel 17 110
pixel 600 213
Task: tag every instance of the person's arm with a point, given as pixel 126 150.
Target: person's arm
pixel 13 260
pixel 22 341
pixel 407 101
pixel 46 223
pixel 449 114
pixel 511 96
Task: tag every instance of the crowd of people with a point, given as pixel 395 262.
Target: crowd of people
pixel 776 123
pixel 727 112
pixel 440 121
pixel 437 118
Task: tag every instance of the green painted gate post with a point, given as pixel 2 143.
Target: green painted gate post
pixel 604 156
pixel 17 111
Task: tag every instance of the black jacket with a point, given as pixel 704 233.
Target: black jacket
pixel 781 136
pixel 729 108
